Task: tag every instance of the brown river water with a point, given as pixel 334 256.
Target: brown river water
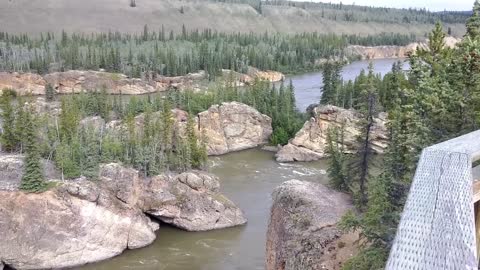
pixel 248 179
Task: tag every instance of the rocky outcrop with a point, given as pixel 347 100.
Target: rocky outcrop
pixel 80 221
pixel 77 81
pixel 191 201
pixel 268 75
pixel 310 142
pixel 92 122
pixel 302 226
pixel 70 225
pixel 233 126
pixel 381 52
pixel 23 83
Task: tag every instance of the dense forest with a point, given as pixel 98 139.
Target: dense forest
pixel 437 99
pixel 166 53
pixel 353 13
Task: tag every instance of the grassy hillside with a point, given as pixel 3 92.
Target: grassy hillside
pixel 34 16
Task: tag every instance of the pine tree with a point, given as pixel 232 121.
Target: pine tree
pixel 8 137
pixel 33 179
pixel 49 92
pixel 368 107
pixel 337 167
pixel 328 93
pixel 473 23
pixel 133 3
pixel 90 153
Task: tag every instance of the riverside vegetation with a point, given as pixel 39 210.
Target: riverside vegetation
pixel 437 99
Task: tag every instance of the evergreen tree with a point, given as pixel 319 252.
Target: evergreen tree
pixel 33 179
pixel 473 23
pixel 8 137
pixel 49 92
pixel 337 167
pixel 368 107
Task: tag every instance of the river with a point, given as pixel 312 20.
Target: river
pixel 248 179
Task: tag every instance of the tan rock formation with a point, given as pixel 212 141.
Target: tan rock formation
pixel 311 141
pixel 233 126
pixel 302 226
pixel 190 200
pixel 23 83
pixel 77 81
pixel 268 75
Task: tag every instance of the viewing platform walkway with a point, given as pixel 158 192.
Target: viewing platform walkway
pixel 437 229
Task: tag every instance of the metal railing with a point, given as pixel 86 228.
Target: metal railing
pixel 437 228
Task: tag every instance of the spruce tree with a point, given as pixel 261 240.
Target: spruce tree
pixel 49 92
pixel 8 137
pixel 328 93
pixel 368 107
pixel 337 167
pixel 33 179
pixel 473 23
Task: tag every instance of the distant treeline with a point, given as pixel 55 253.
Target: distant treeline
pixel 167 53
pixel 354 13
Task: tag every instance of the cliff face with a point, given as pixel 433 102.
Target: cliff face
pixel 381 52
pixel 310 142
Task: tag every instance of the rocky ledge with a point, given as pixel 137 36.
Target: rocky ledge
pixel 310 142
pixel 81 221
pixel 302 232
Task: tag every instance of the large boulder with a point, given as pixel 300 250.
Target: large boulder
pixel 70 225
pixel 191 201
pixel 233 126
pixel 302 232
pixel 310 143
